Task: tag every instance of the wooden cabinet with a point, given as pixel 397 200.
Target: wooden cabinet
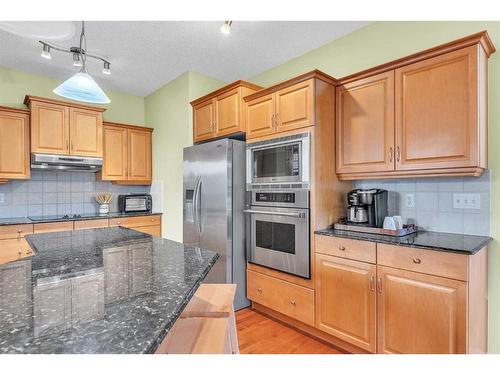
pixel 85 132
pixel 365 125
pixel 90 224
pixel 53 227
pixel 221 112
pixel 420 313
pixel 286 106
pixel 289 299
pixel 438 113
pixel 150 224
pixel 14 249
pixel 65 128
pixel 423 115
pixel 346 300
pixel 14 144
pixel 15 231
pixel 127 154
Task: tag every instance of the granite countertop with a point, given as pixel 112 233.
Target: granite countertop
pixel 106 290
pixel 450 242
pixel 58 218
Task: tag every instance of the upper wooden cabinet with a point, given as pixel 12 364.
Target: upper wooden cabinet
pixel 423 115
pixel 127 154
pixel 221 112
pixel 14 144
pixel 286 106
pixel 65 128
pixel 365 125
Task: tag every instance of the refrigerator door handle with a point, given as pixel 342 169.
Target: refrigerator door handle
pixel 198 207
pixel 195 202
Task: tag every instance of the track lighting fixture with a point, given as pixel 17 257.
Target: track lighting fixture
pixel 226 27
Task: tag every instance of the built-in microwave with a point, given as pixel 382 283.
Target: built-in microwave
pixel 283 160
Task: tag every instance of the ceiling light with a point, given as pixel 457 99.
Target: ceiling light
pixel 76 60
pixel 81 86
pixel 226 27
pixel 46 52
pixel 106 69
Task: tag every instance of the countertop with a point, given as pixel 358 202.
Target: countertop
pixel 106 290
pixel 450 242
pixel 58 218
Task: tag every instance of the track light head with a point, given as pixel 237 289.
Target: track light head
pixel 226 27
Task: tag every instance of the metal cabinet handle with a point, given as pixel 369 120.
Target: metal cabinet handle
pixel 20 252
pixel 379 285
pixel 259 290
pixel 72 145
pixel 372 283
pixel 293 302
pixel 67 144
pixel 417 260
pixel 391 152
pixel 272 121
pixel 342 248
pixel 398 153
pixel 276 213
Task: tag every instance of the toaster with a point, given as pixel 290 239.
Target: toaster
pixel 135 203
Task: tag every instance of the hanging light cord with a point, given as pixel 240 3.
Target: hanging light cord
pixel 83 51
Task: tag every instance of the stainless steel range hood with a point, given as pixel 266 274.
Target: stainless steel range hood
pixel 66 163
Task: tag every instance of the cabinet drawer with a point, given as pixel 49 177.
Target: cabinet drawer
pixel 89 224
pixel 136 221
pixel 53 227
pixel 284 297
pixel 431 262
pixel 152 230
pixel 15 231
pixel 363 251
pixel 14 249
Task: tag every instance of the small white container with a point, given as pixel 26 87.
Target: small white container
pixel 389 223
pixel 104 208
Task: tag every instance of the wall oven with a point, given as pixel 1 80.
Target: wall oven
pixel 279 160
pixel 278 230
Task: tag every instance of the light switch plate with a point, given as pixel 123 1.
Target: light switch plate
pixel 471 201
pixel 2 198
pixel 409 200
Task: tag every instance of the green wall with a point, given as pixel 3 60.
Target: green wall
pixel 14 85
pixel 381 42
pixel 168 111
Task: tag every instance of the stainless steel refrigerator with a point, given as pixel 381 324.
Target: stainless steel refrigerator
pixel 214 199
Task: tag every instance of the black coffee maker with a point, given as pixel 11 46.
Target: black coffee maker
pixel 367 207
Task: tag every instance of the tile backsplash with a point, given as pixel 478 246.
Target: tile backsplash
pixel 58 193
pixel 433 202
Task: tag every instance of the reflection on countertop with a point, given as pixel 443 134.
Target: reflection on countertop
pixel 107 290
pixel 451 242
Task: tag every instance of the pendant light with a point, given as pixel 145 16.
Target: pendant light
pixel 81 86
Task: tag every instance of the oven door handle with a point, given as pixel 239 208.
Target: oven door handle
pixel 300 215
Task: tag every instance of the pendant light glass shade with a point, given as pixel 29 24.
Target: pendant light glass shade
pixel 83 88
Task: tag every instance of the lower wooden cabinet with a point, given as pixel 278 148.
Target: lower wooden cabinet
pixel 147 224
pixel 420 314
pixel 346 300
pixel 289 299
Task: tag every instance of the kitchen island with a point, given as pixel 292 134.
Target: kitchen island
pixel 106 290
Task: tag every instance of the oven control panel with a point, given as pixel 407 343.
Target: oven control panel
pixel 275 197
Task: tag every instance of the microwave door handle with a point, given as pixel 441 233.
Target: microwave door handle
pixel 300 215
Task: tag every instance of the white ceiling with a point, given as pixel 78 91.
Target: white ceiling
pixel 146 55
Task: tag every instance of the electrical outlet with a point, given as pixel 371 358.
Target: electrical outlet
pixel 409 200
pixel 467 201
pixel 2 198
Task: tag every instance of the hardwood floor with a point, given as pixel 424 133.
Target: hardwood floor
pixel 259 334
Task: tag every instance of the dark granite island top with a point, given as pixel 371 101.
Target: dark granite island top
pixel 450 242
pixel 107 290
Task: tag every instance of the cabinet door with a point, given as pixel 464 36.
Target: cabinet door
pixel 49 128
pixel 87 298
pixel 15 294
pixel 419 313
pixel 346 300
pixel 115 273
pixel 52 306
pixel 227 113
pixel 139 155
pixel 115 152
pixel 14 145
pixel 260 116
pixel 203 121
pixel 437 112
pixel 295 106
pixel 140 269
pixel 365 125
pixel 85 132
